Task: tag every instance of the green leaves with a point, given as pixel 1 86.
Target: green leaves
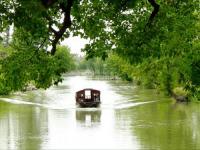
pixel 36 67
pixel 164 56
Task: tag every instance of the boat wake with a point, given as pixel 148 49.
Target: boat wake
pixel 20 102
pixel 123 105
pixel 132 104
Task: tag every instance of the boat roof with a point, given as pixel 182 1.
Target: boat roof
pixel 87 89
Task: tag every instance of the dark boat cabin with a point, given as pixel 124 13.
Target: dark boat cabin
pixel 88 98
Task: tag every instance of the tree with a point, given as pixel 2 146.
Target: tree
pixel 165 40
pixel 52 21
pixel 164 55
pixel 27 65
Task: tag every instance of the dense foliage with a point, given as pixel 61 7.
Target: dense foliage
pixel 41 24
pixel 165 55
pixel 26 66
pixel 156 43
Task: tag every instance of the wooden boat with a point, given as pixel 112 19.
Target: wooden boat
pixel 88 98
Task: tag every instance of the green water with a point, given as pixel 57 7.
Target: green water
pixel 128 118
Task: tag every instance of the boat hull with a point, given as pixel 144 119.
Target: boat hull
pixel 88 104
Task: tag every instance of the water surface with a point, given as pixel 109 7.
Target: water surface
pixel 128 118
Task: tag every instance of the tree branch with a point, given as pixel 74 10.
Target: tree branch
pixel 48 3
pixel 66 8
pixel 51 29
pixel 154 12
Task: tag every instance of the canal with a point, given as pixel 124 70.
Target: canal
pixel 129 117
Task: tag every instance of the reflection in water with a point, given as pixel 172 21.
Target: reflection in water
pixel 21 128
pixel 80 129
pixel 88 118
pixel 128 118
pixel 164 125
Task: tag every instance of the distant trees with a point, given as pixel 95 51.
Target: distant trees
pixel 96 66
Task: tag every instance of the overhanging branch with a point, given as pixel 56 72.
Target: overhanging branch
pixel 66 9
pixel 154 12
